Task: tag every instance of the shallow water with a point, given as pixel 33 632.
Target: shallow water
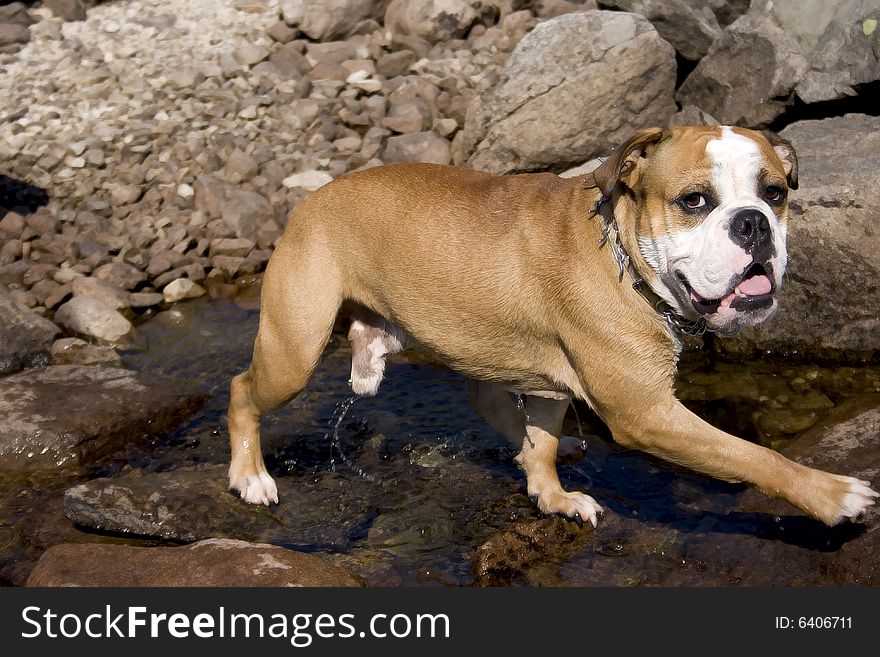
pixel 440 481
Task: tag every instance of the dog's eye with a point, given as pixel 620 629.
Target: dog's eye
pixel 694 201
pixel 774 194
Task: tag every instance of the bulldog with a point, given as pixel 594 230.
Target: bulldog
pixel 546 287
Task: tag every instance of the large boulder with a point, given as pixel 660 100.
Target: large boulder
pixel 333 19
pixel 689 25
pixel 829 306
pixel 617 75
pixel 436 20
pixel 815 49
pixel 212 562
pixel 74 415
pixel 25 337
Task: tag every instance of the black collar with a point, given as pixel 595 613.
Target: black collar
pixel 611 237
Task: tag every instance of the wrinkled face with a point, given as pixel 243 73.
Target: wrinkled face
pixel 712 206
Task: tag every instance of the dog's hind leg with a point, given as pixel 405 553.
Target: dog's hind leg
pixel 538 458
pixel 296 318
pixel 497 407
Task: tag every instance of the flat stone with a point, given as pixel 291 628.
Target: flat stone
pixel 73 351
pixel 191 504
pixel 211 562
pixel 74 415
pixel 417 147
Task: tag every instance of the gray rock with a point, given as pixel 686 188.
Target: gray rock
pixel 395 63
pixel 120 274
pixel 69 10
pixel 113 296
pixel 417 147
pixel 15 12
pixel 413 115
pixel 245 211
pixel 72 415
pixel 846 55
pixel 94 319
pixel 816 48
pixel 330 19
pixel 211 562
pixel 542 115
pixel 689 25
pixel 25 337
pixel 240 164
pixel 73 351
pixel 180 289
pixel 828 306
pixel 191 504
pixel 13 36
pixel 231 247
pixel 436 20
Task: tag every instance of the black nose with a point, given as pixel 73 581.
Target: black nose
pixel 750 229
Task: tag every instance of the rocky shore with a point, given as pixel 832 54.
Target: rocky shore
pixel 152 150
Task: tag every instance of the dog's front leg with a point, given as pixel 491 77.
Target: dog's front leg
pixel 669 430
pixel 538 458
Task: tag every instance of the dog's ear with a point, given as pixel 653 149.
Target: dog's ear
pixel 608 173
pixel 785 152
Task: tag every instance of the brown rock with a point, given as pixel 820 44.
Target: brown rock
pixel 212 562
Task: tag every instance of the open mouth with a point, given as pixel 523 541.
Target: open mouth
pixel 753 291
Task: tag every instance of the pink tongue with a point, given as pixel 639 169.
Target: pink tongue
pixel 755 286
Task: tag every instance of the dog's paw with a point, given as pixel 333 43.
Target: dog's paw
pixel 857 497
pixel 571 505
pixel 256 489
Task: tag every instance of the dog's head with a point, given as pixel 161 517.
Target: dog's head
pixel 706 207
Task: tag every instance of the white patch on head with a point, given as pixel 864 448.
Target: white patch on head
pixel 705 255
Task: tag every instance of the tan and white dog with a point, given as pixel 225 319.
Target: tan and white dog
pixel 554 288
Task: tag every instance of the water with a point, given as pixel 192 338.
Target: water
pixel 442 484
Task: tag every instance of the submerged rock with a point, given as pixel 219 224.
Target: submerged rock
pixel 212 562
pixel 191 504
pixel 75 415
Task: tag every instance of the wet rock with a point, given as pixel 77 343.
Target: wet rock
pixel 211 562
pixel 818 50
pixel 91 317
pixel 191 504
pixel 180 289
pixel 828 302
pixel 508 552
pixel 68 10
pixel 333 19
pixel 613 84
pixel 73 351
pixel 436 20
pixel 72 415
pixel 689 25
pixel 417 147
pixel 25 337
